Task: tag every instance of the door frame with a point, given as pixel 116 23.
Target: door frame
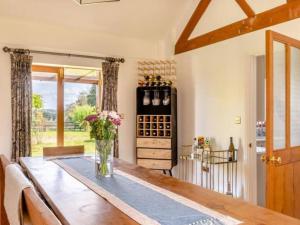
pixel 250 163
pixel 281 161
pixel 61 79
pixel 289 42
pixel 59 71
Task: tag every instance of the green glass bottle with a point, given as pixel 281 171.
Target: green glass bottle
pixel 231 151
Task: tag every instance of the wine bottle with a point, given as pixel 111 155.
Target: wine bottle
pixel 147 133
pixel 154 126
pixel 140 119
pixel 141 133
pixel 161 119
pixel 148 126
pixel 154 119
pixel 154 133
pixel 161 126
pixel 141 125
pixel 231 151
pixel 168 126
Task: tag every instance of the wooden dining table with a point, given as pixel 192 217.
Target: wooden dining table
pixel 75 204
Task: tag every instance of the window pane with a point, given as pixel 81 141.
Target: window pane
pixel 295 97
pixel 44 108
pixel 80 100
pixel 279 96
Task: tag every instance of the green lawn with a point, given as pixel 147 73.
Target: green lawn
pixel 48 139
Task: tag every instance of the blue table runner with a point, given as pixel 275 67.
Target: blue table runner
pixel 149 202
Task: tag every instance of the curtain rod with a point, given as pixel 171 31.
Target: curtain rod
pixel 28 51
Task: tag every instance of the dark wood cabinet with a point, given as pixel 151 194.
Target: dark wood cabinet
pixel 156 128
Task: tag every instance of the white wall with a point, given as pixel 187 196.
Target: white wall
pixel 213 88
pixel 18 33
pixel 5 111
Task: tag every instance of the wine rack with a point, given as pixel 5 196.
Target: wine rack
pixel 156 128
pixel 166 69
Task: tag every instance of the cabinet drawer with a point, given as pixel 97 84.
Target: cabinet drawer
pixel 155 164
pixel 153 143
pixel 153 153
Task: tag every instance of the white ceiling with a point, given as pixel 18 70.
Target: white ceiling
pixel 147 19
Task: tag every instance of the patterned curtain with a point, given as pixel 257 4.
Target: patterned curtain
pixel 21 97
pixel 110 72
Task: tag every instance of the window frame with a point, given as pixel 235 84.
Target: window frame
pixel 59 71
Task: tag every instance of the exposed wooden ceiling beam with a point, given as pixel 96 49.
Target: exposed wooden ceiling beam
pixel 246 8
pixel 199 11
pixel 277 15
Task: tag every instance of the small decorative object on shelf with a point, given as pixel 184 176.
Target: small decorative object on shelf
pixel 201 141
pixel 103 129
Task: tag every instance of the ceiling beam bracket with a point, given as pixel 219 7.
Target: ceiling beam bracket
pixel 280 14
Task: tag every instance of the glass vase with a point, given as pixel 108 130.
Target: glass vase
pixel 104 157
pixel 146 99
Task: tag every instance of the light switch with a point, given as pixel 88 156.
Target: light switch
pixel 237 120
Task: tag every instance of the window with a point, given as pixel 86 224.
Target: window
pixel 62 98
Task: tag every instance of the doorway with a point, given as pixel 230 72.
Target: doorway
pixel 260 134
pixel 278 125
pixel 62 98
pixel 282 156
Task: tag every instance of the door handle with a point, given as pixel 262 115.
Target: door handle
pixel 275 160
pixel 264 158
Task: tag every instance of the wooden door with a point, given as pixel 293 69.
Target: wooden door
pixel 283 124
